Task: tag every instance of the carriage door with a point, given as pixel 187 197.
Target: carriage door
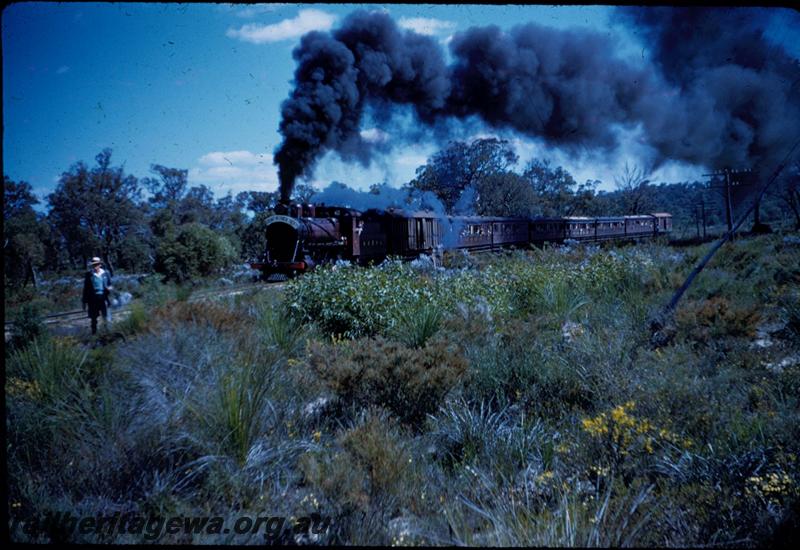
pixel 420 234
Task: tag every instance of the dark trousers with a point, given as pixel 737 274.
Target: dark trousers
pixel 97 306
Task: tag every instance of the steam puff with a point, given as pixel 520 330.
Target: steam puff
pixel 716 94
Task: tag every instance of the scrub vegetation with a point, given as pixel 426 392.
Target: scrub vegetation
pixel 508 399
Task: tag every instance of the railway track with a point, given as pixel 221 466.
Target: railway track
pixel 68 317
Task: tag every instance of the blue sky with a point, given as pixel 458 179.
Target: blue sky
pixel 199 86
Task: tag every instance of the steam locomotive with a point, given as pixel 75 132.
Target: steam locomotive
pixel 302 236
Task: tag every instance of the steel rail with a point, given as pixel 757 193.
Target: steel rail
pixel 55 318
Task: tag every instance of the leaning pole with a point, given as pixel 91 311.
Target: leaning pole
pixel 659 322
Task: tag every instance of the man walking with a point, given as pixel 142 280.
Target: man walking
pixel 96 288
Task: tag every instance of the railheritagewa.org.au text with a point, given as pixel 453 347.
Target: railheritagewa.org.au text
pixel 154 527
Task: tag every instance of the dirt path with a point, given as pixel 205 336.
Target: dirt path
pixel 76 323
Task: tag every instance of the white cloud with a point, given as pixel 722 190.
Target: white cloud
pixel 306 20
pixel 62 69
pixel 235 171
pixel 426 25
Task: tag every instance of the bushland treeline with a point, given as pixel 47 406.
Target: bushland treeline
pixel 159 223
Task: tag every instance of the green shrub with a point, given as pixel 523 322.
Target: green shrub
pixel 353 302
pixel 497 440
pixel 370 469
pixel 408 382
pixel 51 367
pixel 715 318
pixel 153 292
pixel 498 372
pixel 232 407
pixel 527 363
pixel 134 254
pixel 418 324
pixel 135 322
pixel 183 292
pixel 243 404
pixel 193 251
pixel 280 329
pixel 28 326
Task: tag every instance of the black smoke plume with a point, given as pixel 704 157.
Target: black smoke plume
pixel 715 93
pixel 368 60
pixel 735 97
pixel 565 86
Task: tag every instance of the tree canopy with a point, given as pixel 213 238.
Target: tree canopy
pixel 94 208
pixel 24 233
pixel 461 166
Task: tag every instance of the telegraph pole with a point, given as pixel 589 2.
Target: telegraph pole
pixel 700 217
pixel 703 208
pixel 697 220
pixel 733 179
pixel 729 203
pixel 725 186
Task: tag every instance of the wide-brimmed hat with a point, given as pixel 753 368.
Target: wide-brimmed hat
pixel 95 261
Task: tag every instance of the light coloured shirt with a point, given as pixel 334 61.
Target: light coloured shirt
pixel 99 281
